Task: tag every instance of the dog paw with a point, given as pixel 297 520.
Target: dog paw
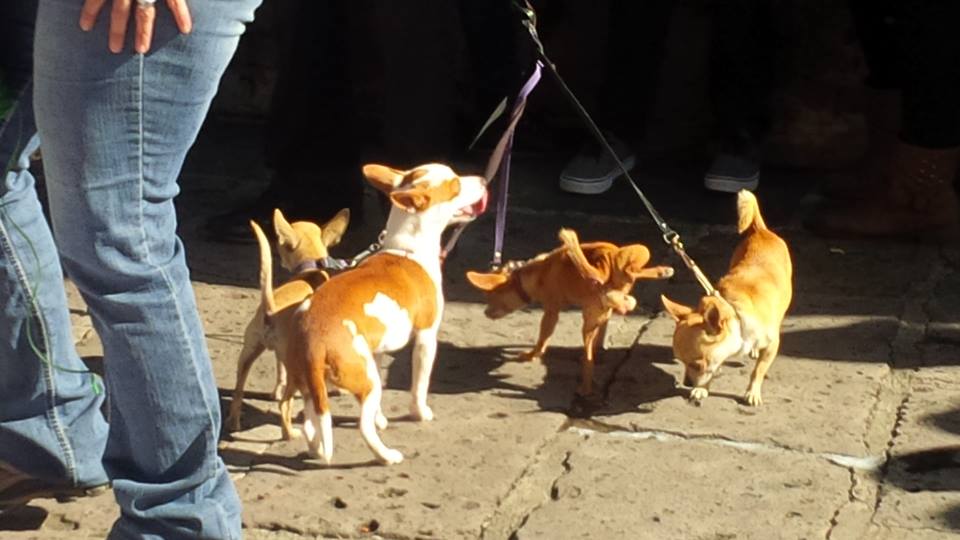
pixel 391 457
pixel 529 356
pixel 381 421
pixel 423 413
pixel 753 398
pixel 291 434
pixel 699 393
pixel 233 424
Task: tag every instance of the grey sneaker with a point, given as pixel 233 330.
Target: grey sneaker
pixel 730 173
pixel 592 172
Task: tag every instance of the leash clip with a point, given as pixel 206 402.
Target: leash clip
pixel 672 238
pixel 373 248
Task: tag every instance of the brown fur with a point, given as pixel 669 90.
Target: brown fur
pixel 344 323
pixel 270 325
pixel 753 299
pixel 597 277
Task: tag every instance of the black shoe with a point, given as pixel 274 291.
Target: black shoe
pixel 17 489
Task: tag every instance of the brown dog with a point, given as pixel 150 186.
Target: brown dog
pixel 299 244
pixel 597 277
pixel 377 307
pixel 745 317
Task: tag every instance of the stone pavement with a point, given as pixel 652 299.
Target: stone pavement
pixel 863 394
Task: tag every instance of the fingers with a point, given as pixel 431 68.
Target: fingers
pixel 181 14
pixel 145 16
pixel 119 16
pixel 89 12
pixel 145 20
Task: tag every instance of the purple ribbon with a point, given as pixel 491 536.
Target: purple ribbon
pixel 499 163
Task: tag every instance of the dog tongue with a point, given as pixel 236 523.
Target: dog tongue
pixel 480 206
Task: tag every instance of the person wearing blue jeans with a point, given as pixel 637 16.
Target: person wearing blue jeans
pixel 114 126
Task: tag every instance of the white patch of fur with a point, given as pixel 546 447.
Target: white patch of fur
pixel 730 347
pixel 314 443
pixel 369 410
pixel 418 233
pixel 395 319
pixel 370 407
pixel 304 306
pixel 424 354
pixel 359 343
pixel 326 435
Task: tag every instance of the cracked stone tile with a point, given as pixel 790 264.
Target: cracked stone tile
pixel 456 469
pixel 818 396
pixel 921 489
pixel 621 488
pixel 900 533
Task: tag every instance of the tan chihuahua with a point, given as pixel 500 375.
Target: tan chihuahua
pixel 300 245
pixel 596 277
pixel 744 318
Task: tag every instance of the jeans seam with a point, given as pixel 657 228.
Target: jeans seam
pixel 50 390
pixel 184 333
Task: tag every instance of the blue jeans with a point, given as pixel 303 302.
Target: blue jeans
pixel 115 130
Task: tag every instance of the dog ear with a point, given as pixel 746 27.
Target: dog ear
pixel 677 311
pixel 384 178
pixel 486 282
pixel 712 318
pixel 286 236
pixel 631 259
pixel 412 200
pixel 333 230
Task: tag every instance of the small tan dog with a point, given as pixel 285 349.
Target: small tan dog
pixel 597 277
pixel 745 318
pixel 390 297
pixel 300 245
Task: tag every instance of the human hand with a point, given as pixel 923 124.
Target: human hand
pixel 146 14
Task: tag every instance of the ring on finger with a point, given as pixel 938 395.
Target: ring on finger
pixel 144 4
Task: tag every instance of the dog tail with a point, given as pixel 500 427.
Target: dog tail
pixel 575 252
pixel 748 210
pixel 266 270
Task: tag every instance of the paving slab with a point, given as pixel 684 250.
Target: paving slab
pixel 810 404
pixel 921 488
pixel 457 470
pixel 618 487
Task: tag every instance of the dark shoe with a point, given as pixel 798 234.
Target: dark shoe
pixel 593 170
pixel 18 489
pixel 729 173
pixel 917 201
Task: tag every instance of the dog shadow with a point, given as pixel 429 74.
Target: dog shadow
pixel 286 465
pixel 500 372
pixel 934 469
